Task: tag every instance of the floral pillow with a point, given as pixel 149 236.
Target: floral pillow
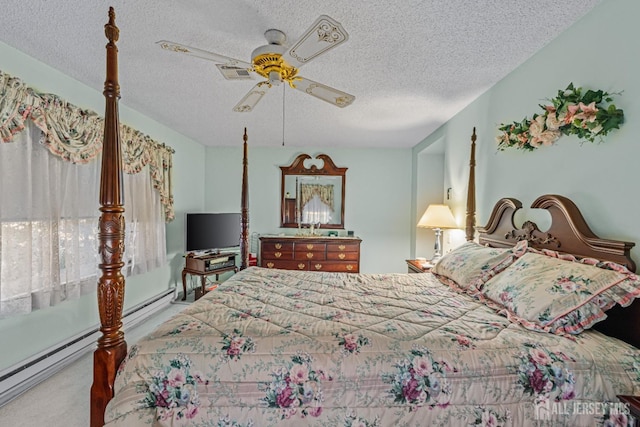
pixel 623 293
pixel 471 264
pixel 552 292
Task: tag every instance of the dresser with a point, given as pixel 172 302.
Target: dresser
pixel 313 253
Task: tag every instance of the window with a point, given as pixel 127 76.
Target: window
pixel 316 211
pixel 48 225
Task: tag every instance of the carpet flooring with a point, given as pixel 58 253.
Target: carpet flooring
pixel 63 399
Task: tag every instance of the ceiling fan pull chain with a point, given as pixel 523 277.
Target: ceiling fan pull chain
pixel 283 87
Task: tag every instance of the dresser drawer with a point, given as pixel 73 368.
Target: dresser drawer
pixel 309 246
pixel 277 254
pixel 309 255
pixel 343 256
pixel 277 246
pixel 343 247
pixel 343 267
pixel 285 265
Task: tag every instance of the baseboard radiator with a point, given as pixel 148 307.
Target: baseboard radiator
pixel 19 378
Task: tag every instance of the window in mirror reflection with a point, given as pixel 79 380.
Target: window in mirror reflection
pixel 317 203
pixel 315 211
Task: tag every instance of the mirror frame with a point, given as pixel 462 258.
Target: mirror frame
pixel 297 168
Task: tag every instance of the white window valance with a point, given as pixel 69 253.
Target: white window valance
pixel 75 134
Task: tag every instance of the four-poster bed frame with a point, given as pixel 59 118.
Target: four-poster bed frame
pixel 568 226
pixel 111 346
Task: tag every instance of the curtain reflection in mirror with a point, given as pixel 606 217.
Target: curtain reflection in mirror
pixel 317 203
pixel 315 211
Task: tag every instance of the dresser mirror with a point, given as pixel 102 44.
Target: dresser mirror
pixel 312 193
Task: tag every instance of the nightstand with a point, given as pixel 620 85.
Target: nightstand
pixel 633 403
pixel 416 267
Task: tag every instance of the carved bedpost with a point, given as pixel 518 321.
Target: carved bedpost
pixel 471 191
pixel 244 202
pixel 112 347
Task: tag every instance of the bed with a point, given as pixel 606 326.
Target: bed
pixel 471 343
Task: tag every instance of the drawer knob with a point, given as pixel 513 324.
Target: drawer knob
pixel 270 265
pixel 349 267
pixel 309 255
pixel 278 245
pixel 318 266
pixel 309 246
pixel 278 254
pixel 301 266
pixel 342 247
pixel 341 256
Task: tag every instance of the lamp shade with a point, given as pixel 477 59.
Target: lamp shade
pixel 437 216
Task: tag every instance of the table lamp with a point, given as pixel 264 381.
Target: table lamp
pixel 437 217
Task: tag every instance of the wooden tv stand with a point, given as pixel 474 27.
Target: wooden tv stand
pixel 205 265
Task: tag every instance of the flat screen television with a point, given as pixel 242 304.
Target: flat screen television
pixel 207 231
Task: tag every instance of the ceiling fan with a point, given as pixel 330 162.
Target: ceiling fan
pixel 277 64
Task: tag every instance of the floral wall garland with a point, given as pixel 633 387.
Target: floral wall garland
pixel 590 115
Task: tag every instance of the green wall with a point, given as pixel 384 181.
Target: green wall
pixel 599 52
pixel 378 193
pixel 383 195
pixel 23 336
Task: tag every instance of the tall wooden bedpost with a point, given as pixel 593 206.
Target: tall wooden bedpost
pixel 471 191
pixel 112 347
pixel 244 212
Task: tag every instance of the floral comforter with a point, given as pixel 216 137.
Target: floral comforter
pixel 287 348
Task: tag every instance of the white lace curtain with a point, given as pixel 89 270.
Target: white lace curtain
pixel 317 203
pixel 48 225
pixel 316 211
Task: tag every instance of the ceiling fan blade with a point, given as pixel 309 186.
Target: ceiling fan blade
pixel 203 54
pixel 324 92
pixel 324 34
pixel 250 100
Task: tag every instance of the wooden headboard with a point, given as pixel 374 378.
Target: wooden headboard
pixel 568 233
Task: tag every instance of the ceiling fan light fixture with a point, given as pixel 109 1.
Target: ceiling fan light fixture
pixel 276 63
pixel 274 78
pixel 272 67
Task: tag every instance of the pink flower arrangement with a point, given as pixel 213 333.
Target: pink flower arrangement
pixel 234 345
pixel 299 374
pixel 351 343
pixel 296 388
pixel 489 417
pixel 422 365
pixel 173 390
pixel 464 341
pixel 543 374
pixel 539 356
pixel 570 113
pixel 419 380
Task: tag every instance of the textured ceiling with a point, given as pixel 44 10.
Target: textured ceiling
pixel 410 64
